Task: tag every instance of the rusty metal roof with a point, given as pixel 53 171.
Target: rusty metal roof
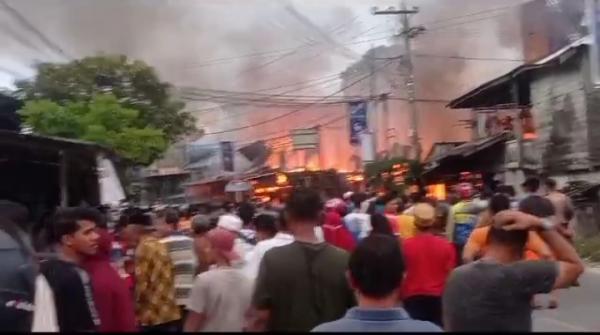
pixel 497 91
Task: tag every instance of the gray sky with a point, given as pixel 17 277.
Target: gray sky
pixel 182 38
pixel 250 45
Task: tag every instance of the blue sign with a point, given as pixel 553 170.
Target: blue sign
pixel 358 120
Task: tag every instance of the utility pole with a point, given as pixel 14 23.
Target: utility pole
pixel 385 121
pixel 373 118
pixel 408 32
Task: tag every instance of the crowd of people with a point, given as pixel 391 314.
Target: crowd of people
pixel 357 263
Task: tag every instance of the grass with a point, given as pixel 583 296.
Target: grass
pixel 589 248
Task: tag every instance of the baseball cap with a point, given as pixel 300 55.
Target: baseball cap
pixel 424 215
pixel 223 241
pixel 230 222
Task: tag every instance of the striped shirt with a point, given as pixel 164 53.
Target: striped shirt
pixel 181 251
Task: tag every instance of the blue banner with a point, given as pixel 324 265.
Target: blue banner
pixel 358 120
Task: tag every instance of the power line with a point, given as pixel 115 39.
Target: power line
pixel 289 54
pixel 32 28
pixel 275 53
pixel 444 27
pixel 297 49
pixel 492 59
pixel 471 14
pixel 317 81
pixel 289 113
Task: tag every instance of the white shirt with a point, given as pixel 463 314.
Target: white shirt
pixel 223 294
pixel 44 314
pixel 254 258
pixel 319 233
pixel 359 224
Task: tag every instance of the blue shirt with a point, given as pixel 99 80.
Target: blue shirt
pixel 377 320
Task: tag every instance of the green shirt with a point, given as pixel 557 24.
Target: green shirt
pixel 303 285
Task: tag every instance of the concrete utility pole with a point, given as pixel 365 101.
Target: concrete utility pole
pixel 372 116
pixel 407 33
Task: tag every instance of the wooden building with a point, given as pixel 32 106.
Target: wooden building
pixel 551 105
pixel 552 108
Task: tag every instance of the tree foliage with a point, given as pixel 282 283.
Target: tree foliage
pixel 102 120
pixel 135 85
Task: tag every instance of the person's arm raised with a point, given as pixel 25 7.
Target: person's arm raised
pixel 570 266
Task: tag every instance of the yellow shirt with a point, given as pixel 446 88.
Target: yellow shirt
pixel 406 226
pixel 154 284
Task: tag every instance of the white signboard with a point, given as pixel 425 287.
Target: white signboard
pixel 367 147
pixel 305 138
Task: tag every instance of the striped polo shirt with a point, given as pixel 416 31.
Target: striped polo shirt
pixel 181 252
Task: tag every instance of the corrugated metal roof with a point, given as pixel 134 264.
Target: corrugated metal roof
pixel 468 149
pixel 560 56
pixel 6 135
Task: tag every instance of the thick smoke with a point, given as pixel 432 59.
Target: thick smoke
pixel 191 43
pixel 444 58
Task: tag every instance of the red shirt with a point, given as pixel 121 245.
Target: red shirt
pixel 429 259
pixel 335 233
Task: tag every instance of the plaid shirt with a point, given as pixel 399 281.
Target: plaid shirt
pixel 155 284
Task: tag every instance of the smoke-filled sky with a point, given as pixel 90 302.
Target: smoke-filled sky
pixel 249 45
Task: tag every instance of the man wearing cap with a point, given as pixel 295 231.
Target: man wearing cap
pixel 220 296
pixel 429 260
pixel 233 224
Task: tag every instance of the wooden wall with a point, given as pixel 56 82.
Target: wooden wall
pixel 559 109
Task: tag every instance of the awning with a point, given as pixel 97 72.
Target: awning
pixel 467 149
pixel 238 186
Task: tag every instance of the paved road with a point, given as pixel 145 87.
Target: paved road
pixel 579 309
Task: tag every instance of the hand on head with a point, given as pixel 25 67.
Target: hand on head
pixel 515 220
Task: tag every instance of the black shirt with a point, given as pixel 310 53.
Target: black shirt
pixel 75 310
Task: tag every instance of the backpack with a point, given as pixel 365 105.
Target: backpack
pixel 17 281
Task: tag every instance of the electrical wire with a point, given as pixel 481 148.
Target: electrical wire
pixel 32 28
pixel 471 14
pixel 289 113
pixel 315 81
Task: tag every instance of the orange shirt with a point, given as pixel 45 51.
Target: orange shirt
pixel 534 249
pixel 402 225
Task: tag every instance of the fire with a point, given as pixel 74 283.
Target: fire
pixel 437 191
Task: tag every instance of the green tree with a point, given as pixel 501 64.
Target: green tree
pixel 102 120
pixel 133 83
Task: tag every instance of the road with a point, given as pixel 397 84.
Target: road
pixel 579 309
